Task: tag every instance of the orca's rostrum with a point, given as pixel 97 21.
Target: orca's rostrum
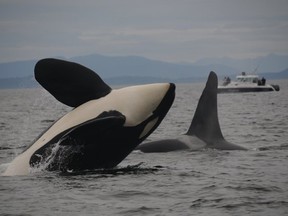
pixel 104 126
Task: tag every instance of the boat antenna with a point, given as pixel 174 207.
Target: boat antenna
pixel 256 69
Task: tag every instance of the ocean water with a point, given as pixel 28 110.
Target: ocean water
pixel 207 182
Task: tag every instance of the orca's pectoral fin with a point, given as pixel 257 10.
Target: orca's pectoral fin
pixel 70 83
pixel 88 132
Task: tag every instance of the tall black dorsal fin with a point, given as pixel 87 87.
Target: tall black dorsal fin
pixel 69 82
pixel 205 123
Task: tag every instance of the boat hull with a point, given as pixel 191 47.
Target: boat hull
pixel 224 89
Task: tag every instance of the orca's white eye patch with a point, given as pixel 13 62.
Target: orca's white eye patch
pixel 148 127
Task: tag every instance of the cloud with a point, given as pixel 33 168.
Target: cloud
pixel 184 30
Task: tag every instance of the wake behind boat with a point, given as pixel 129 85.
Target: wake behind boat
pixel 246 83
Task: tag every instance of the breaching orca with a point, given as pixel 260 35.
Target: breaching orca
pixel 204 131
pixel 104 126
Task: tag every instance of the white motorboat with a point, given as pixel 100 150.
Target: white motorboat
pixel 246 83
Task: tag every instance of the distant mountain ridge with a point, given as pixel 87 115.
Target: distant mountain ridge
pixel 262 64
pixel 17 69
pixel 138 70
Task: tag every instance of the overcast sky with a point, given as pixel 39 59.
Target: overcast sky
pixel 178 30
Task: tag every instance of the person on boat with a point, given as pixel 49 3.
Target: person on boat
pixel 227 80
pixel 263 81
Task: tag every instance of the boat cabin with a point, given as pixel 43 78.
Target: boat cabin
pixel 244 78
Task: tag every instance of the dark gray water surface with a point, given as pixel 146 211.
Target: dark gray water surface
pixel 208 182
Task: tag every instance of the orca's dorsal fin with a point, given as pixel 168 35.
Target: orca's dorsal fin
pixel 205 124
pixel 69 82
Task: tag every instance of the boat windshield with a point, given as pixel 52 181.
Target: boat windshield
pixel 247 79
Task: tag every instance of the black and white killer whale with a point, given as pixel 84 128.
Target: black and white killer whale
pixel 104 126
pixel 204 131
